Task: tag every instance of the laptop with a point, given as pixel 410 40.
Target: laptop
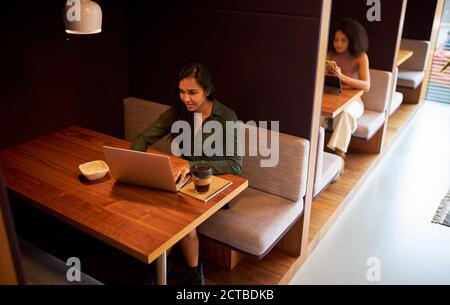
pixel 332 84
pixel 142 168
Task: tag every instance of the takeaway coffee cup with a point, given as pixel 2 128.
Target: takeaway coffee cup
pixel 202 176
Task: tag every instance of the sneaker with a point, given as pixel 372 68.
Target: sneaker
pixel 196 276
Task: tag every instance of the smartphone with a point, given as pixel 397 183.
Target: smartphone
pixel 330 66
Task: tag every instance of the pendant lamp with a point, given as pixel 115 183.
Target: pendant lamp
pixel 82 17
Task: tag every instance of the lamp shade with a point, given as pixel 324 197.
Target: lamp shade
pixel 82 17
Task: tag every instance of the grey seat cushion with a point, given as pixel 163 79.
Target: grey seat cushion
pixel 410 78
pixel 288 178
pixel 421 49
pixel 254 221
pixel 377 98
pixel 139 114
pixel 368 124
pixel 397 99
pixel 331 166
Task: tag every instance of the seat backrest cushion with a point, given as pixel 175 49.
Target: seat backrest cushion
pixel 419 59
pixel 139 114
pixel 288 178
pixel 377 98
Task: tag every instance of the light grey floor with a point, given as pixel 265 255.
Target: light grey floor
pixel 385 236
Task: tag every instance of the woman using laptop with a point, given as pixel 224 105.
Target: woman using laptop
pixel 195 94
pixel 347 48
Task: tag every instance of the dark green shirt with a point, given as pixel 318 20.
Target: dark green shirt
pixel 220 164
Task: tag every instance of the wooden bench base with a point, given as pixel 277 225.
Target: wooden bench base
pixel 219 254
pixel 410 96
pixel 371 146
pixel 222 255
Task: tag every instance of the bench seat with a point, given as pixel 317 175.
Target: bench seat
pixel 369 123
pixel 410 78
pixel 254 222
pixel 328 166
pixel 411 74
pixel 260 216
pixel 375 105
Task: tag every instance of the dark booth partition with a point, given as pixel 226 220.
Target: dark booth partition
pixel 419 19
pixel 51 79
pixel 263 57
pixel 382 34
pixel 262 53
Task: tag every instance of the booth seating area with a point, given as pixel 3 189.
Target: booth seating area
pixel 412 72
pixel 259 217
pixel 375 105
pixel 369 132
pixel 262 214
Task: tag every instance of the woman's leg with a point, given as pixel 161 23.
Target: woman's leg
pixel 343 130
pixel 189 245
pixel 345 126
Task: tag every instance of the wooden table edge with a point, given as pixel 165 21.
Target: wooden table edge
pixel 172 241
pixel 408 55
pixel 339 110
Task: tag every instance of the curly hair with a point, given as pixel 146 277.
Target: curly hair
pixel 355 32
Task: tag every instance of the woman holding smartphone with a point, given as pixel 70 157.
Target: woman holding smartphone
pixel 347 48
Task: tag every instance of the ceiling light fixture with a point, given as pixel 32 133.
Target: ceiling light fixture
pixel 82 17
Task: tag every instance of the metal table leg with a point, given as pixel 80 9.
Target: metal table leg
pixel 161 269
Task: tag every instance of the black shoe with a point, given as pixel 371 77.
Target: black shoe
pixel 196 276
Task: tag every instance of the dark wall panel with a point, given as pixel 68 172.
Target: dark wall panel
pixel 287 7
pixel 50 78
pixel 263 64
pixel 419 19
pixel 382 35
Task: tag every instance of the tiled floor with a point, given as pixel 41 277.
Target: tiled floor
pixel 385 236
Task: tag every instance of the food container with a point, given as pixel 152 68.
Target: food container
pixel 94 170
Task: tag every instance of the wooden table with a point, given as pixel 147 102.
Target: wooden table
pixel 332 104
pixel 403 55
pixel 142 222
